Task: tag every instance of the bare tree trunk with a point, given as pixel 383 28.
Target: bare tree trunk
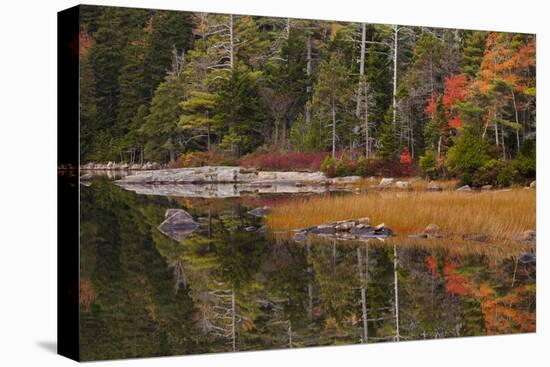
pixel 396 290
pixel 333 128
pixel 517 119
pixel 361 70
pixel 233 321
pixel 502 142
pixel 394 97
pixel 411 140
pixel 309 285
pixel 367 137
pixel 515 270
pixel 308 73
pixel 496 134
pixel 231 41
pixel 363 282
pixel 289 334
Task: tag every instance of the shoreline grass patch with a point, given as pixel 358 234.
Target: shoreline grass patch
pixel 497 214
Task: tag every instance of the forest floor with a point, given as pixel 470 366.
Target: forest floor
pixel 501 215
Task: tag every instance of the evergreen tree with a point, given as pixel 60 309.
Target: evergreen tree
pixel 199 114
pixel 472 52
pixel 161 126
pixel 332 97
pixel 167 30
pixel 240 111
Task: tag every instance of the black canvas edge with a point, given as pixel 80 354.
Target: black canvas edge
pixel 68 216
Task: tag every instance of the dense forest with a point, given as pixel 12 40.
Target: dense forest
pixel 160 85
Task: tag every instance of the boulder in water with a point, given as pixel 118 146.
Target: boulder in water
pixel 178 224
pixel 259 212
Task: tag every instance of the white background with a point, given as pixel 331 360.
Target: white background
pixel 28 181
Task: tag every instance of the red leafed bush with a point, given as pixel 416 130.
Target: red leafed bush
pixel 456 284
pixel 432 265
pixel 285 161
pixel 405 157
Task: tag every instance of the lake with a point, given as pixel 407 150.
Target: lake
pixel 233 286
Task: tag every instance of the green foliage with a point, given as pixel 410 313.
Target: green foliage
pixel 467 156
pixel 526 162
pixel 241 111
pixel 169 30
pixel 157 84
pixel 329 166
pixel 198 114
pixel 161 125
pixel 428 164
pixel 472 52
pixel 331 98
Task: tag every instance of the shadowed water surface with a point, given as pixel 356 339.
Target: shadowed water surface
pixel 232 287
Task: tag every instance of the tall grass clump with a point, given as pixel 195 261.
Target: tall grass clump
pixel 498 214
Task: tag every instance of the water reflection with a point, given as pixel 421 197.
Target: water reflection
pixel 228 289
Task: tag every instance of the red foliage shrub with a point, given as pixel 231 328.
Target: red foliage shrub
pixel 455 90
pixel 285 161
pixel 456 284
pixel 432 265
pixel 431 105
pixel 382 167
pixel 405 157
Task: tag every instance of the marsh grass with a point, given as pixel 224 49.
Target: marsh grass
pixel 501 215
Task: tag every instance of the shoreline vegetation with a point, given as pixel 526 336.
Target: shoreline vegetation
pixel 189 89
pixel 411 115
pixel 502 215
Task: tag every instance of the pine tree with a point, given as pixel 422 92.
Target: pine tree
pixel 240 111
pixel 332 97
pixel 167 30
pixel 161 126
pixel 472 52
pixel 199 114
pixel 388 143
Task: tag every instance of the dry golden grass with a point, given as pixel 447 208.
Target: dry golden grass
pixel 498 214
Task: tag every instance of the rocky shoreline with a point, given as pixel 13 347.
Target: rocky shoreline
pixel 228 174
pixel 352 229
pixel 361 230
pixel 113 166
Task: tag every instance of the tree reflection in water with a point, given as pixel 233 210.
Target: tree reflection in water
pixel 225 288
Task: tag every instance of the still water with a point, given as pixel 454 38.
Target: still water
pixel 230 287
